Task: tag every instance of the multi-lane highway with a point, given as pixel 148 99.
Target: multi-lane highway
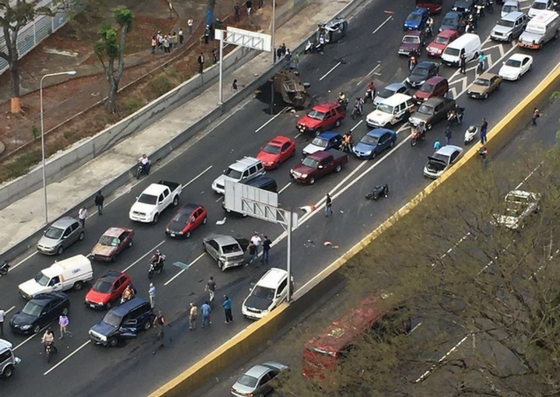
pixel 369 52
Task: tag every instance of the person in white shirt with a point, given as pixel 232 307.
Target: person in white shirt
pixel 2 317
pixel 82 215
pixel 145 161
pixel 254 247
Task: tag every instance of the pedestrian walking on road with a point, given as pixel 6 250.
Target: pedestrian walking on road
pixel 535 116
pixel 99 199
pixel 190 24
pixel 211 288
pixel 279 53
pixel 236 15
pixel 175 40
pixel 82 215
pixel 206 310
pixel 483 131
pixel 215 55
pixel 63 323
pixel 181 36
pixel 484 155
pixel 254 247
pixel 192 316
pixel 200 63
pixel 159 325
pixel 463 61
pixel 437 145
pixel 154 44
pixel 288 59
pixel 234 85
pixel 266 244
pixel 152 295
pixel 296 60
pixel 328 205
pixel 227 309
pixel 166 44
pixel 2 317
pixel 447 135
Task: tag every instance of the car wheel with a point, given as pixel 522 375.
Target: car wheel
pixel 312 181
pixel 78 285
pixel 338 168
pixel 204 220
pixel 373 155
pixel 156 218
pixel 147 325
pixel 293 153
pixel 392 144
pixel 65 311
pixel 109 305
pixel 130 243
pixel 81 236
pixel 188 234
pixel 337 123
pixel 60 250
pixel 485 96
pixel 175 201
pixel 36 329
pixel 113 342
pixel 428 126
pixel 8 372
pixel 114 258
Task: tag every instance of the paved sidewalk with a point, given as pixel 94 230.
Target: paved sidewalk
pixel 26 216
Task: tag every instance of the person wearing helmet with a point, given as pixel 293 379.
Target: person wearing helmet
pixel 422 130
pixel 342 99
pixel 157 261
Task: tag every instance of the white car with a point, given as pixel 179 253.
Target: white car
pixel 519 205
pixel 538 6
pixel 516 66
pixel 510 6
pixel 442 160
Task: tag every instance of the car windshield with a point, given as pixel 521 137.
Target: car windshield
pixel 112 319
pixel 314 114
pixel 449 22
pixel 370 140
pixel 147 199
pixel 421 71
pixel 247 381
pixel 441 39
pixel 514 63
pixel 41 279
pixel 233 173
pixel 415 17
pixel 506 9
pixel 271 149
pixel 54 232
pixel 507 24
pixel 108 241
pixel 309 162
pixel 321 142
pixel 263 293
pixel 386 93
pixel 426 87
pixel 231 248
pixel 385 108
pixel 452 51
pixel 425 109
pixel 411 39
pixel 104 286
pixel 181 217
pixel 539 6
pixel 483 82
pixel 32 309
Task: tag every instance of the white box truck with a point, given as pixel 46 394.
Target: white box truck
pixel 540 30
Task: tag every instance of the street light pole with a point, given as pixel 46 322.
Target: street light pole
pixel 70 73
pixel 273 29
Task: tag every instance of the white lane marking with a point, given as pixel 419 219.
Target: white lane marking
pixel 384 22
pixel 221 198
pixel 298 135
pixel 143 256
pixel 10 309
pixel 183 270
pixel 285 187
pixel 198 176
pixel 356 126
pixel 271 119
pixel 67 357
pixel 21 262
pixel 367 75
pixel 528 176
pixel 28 339
pixel 453 247
pixel 333 68
pixel 415 328
pixel 428 372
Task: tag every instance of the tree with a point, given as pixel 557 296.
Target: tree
pixel 494 295
pixel 110 51
pixel 14 15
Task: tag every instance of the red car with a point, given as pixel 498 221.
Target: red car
pixel 442 40
pixel 112 243
pixel 107 290
pixel 277 151
pixel 322 118
pixel 434 87
pixel 188 218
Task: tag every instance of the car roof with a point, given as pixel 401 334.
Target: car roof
pixel 116 231
pixel 127 306
pixel 435 79
pixel 395 86
pixel 377 132
pixel 325 105
pixel 64 222
pixel 222 239
pixel 454 14
pixel 396 99
pixel 448 150
pixel 113 274
pixel 257 371
pixel 519 56
pixel 512 16
pixel 426 64
pixel 328 134
pixel 49 296
pixel 244 163
pixel 447 32
pixel 272 278
pixel 280 139
pixel 188 208
pixel 415 33
pixel 5 345
pixel 486 75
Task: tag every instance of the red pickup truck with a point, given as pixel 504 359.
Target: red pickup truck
pixel 317 165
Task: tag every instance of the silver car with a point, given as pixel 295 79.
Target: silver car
pixel 226 250
pixel 60 235
pixel 442 160
pixel 255 382
pixel 509 27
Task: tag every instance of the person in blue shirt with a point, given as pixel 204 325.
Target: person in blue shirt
pixel 227 309
pixel 437 145
pixel 205 309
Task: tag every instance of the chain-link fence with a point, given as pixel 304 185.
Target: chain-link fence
pixel 33 33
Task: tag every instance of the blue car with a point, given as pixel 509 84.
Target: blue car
pixel 451 20
pixel 375 142
pixel 324 141
pixel 417 19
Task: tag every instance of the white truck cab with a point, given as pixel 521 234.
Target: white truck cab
pixel 154 200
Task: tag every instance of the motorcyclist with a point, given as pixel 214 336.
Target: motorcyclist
pixel 359 106
pixel 48 340
pixel 342 99
pixel 459 113
pixel 144 161
pixel 157 260
pixel 370 91
pixel 421 128
pixel 430 26
pixel 347 141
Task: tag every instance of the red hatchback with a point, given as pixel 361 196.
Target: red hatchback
pixel 107 290
pixel 322 118
pixel 442 40
pixel 188 218
pixel 277 151
pixel 434 87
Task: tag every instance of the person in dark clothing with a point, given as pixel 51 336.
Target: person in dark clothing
pixel 483 131
pixel 447 135
pixel 227 309
pixel 99 199
pixel 535 116
pixel 236 15
pixel 206 34
pixel 266 244
pixel 249 5
pixel 200 63
pixel 484 155
pixel 463 61
pixel 215 55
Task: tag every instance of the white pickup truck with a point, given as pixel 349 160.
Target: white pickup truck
pixel 519 205
pixel 153 200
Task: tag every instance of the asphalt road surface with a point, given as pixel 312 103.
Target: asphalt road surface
pixel 369 51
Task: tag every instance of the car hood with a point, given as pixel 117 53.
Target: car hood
pixel 48 242
pixel 21 319
pixel 409 46
pixel 479 89
pixel 416 117
pixel 416 80
pixel 267 157
pixel 97 297
pixel 221 180
pixel 103 328
pixel 311 148
pixel 501 29
pixel 363 147
pixel 509 71
pixel 30 287
pixel 528 37
pixel 103 250
pixel 379 116
pixel 303 169
pixel 255 302
pixel 175 226
pixel 423 94
pixel 414 25
pixel 438 46
pixel 142 207
pixel 309 122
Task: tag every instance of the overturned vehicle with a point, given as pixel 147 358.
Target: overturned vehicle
pixel 327 33
pixel 293 91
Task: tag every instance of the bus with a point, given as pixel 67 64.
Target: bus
pixel 322 353
pixel 433 6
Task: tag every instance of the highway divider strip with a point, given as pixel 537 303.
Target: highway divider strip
pixel 260 333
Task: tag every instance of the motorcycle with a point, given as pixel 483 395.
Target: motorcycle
pixel 4 268
pixel 416 136
pixel 369 94
pixel 143 169
pixel 356 112
pixel 315 46
pixel 377 192
pixel 346 147
pixel 470 134
pixel 343 102
pixel 49 351
pixel 154 268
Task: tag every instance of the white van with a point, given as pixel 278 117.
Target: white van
pixel 390 111
pixel 69 273
pixel 540 30
pixel 469 42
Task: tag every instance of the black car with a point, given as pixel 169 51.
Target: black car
pixel 422 72
pixel 465 7
pixel 122 322
pixel 39 312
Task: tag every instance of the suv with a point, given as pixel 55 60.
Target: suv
pixel 7 359
pixel 267 294
pixel 60 235
pixel 322 117
pixel 390 111
pixel 241 171
pixel 122 322
pixel 509 27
